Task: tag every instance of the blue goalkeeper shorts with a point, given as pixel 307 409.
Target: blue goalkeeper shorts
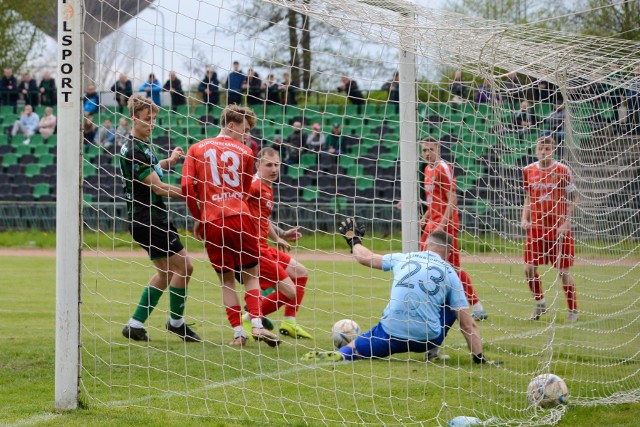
pixel 377 343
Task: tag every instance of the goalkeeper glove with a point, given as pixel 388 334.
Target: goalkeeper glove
pixel 351 232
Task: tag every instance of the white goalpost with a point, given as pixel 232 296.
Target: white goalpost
pixel 486 91
pixel 68 205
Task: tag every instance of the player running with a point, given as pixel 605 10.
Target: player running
pixel 442 214
pixel 550 199
pixel 277 269
pixel 216 178
pixel 426 299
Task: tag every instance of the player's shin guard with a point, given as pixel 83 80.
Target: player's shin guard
pixel 252 301
pixel 572 297
pixel 536 287
pixel 148 301
pixel 472 298
pixel 234 315
pixel 272 302
pixel 292 307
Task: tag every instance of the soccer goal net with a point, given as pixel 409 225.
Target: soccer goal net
pixel 346 91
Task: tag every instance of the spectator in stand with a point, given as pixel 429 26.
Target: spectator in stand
pixel 316 140
pixel 393 87
pixel 123 90
pixel 513 89
pixel 295 142
pixel 123 132
pixel 88 130
pixel 556 125
pixel 28 90
pixel 250 142
pixel 458 89
pixel 486 94
pixel 210 88
pixel 543 92
pixel 174 87
pixel 633 103
pixel 8 88
pixel 278 146
pixel 350 87
pixel 48 90
pixel 288 90
pixel 47 125
pixel 273 91
pixel 524 120
pixel 106 135
pixel 253 87
pixel 27 124
pixel 334 141
pixel 152 88
pixel 234 85
pixel 91 102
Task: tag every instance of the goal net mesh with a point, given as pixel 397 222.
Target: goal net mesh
pixel 485 90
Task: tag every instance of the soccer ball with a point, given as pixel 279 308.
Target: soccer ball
pixel 344 331
pixel 547 391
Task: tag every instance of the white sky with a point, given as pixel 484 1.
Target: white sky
pixel 188 25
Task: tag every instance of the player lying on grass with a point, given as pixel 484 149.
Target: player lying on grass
pixel 278 269
pixel 216 179
pixel 426 300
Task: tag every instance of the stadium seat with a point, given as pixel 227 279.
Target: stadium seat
pixel 40 190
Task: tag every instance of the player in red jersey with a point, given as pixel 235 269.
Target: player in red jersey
pixel 550 199
pixel 277 269
pixel 216 178
pixel 442 214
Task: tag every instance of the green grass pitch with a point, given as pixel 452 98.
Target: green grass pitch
pixel 157 384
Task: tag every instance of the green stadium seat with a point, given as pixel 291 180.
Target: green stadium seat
pixel 40 190
pixel 22 149
pixel 32 170
pixel 46 159
pixel 88 198
pixel 363 182
pixel 10 159
pixel 41 149
pixel 308 160
pixel 310 194
pixel 294 172
pixel 88 169
pixel 355 170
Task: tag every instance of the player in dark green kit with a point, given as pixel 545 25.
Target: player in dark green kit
pixel 149 223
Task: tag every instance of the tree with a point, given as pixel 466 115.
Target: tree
pixel 21 30
pixel 609 18
pixel 310 43
pixel 545 13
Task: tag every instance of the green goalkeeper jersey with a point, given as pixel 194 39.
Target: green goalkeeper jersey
pixel 138 160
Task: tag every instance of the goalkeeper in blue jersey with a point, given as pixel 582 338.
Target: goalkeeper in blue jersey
pixel 426 300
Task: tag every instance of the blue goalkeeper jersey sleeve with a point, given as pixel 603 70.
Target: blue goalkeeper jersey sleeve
pixel 423 283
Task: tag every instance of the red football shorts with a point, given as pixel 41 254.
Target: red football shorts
pixel 232 242
pixel 544 248
pixel 273 266
pixel 454 251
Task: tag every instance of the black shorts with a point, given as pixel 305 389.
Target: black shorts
pixel 160 241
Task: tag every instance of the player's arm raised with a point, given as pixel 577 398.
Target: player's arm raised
pixel 353 235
